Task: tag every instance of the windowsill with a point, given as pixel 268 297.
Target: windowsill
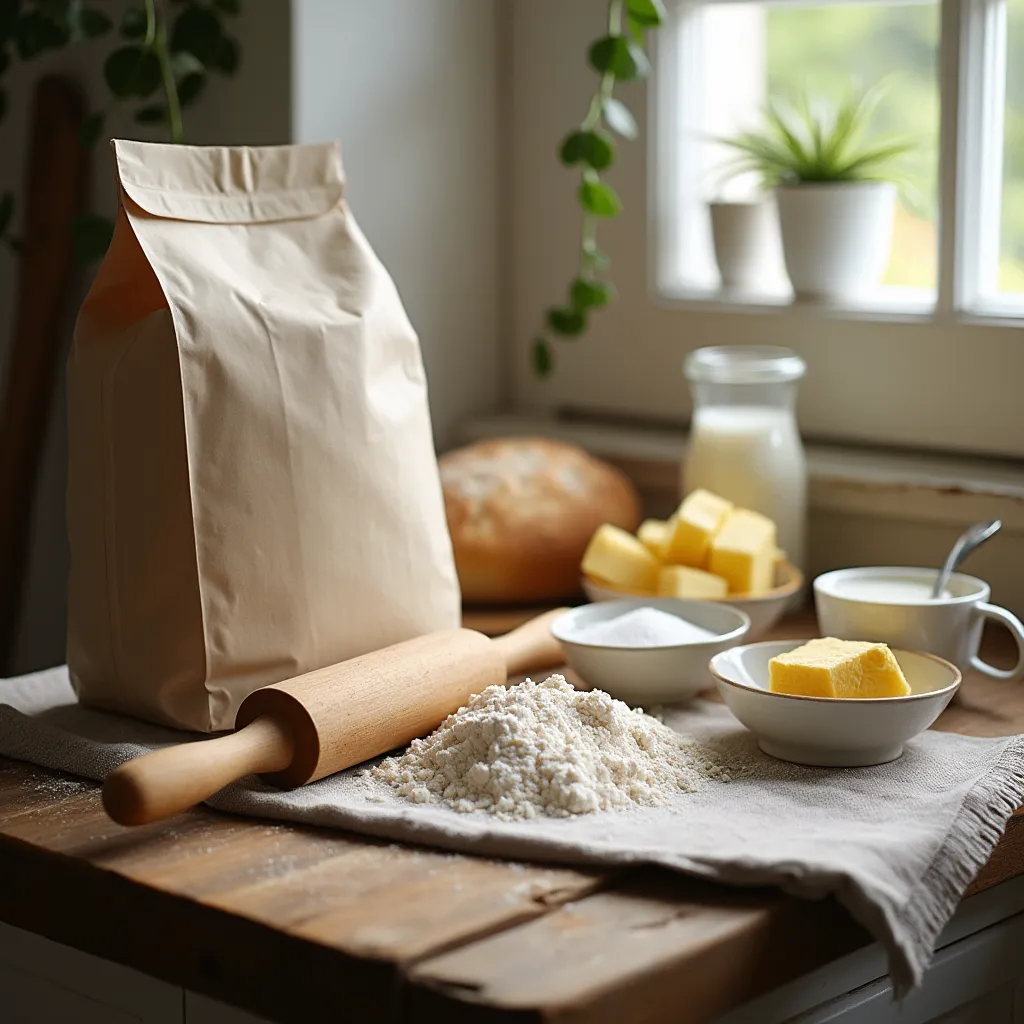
pixel 896 485
pixel 888 303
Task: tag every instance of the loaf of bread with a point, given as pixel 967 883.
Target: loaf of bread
pixel 521 511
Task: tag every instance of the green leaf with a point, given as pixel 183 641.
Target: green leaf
pixel 618 118
pixel 648 13
pixel 91 130
pixel 91 23
pixel 543 358
pixel 133 23
pixel 594 149
pixel 586 295
pixel 227 56
pixel 227 6
pixel 9 11
pixel 185 63
pixel 190 87
pixel 91 235
pixel 132 71
pixel 567 322
pixel 197 31
pixel 34 32
pixel 6 212
pixel 153 114
pixel 599 199
pixel 620 57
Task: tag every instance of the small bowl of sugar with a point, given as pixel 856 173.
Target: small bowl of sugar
pixel 651 650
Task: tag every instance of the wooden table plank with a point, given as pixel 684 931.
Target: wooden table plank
pixel 240 910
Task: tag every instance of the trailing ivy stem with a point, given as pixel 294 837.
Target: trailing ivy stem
pixel 588 229
pixel 157 39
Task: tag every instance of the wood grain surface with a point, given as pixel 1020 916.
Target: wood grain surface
pixel 300 924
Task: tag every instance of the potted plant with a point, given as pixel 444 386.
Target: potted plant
pixel 745 233
pixel 834 188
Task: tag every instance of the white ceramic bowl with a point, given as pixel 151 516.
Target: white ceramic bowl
pixel 832 731
pixel 764 611
pixel 649 675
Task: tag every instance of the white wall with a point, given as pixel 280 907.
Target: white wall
pixel 410 87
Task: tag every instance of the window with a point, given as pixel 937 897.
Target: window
pixel 745 52
pixel 934 361
pixel 1011 247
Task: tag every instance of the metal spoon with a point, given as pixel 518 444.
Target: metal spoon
pixel 971 538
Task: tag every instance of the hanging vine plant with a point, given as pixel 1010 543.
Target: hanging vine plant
pixel 618 56
pixel 162 64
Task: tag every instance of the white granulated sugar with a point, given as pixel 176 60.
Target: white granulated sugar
pixel 643 627
pixel 548 749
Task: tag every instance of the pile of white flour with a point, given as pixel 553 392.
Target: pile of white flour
pixel 548 749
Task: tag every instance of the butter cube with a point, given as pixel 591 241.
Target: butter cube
pixel 618 558
pixel 684 581
pixel 654 534
pixel 838 668
pixel 744 552
pixel 694 525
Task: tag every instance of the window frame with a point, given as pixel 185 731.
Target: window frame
pixel 943 378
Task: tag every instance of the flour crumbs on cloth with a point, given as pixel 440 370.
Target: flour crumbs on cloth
pixel 548 750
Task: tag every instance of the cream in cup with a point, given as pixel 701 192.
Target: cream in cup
pixel 893 605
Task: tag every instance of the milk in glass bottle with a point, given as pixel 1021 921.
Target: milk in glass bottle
pixel 744 442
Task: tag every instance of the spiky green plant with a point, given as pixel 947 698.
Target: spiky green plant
pixel 814 140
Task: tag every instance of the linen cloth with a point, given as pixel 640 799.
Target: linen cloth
pixel 896 844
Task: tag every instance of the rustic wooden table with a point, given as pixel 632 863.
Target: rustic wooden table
pixel 298 924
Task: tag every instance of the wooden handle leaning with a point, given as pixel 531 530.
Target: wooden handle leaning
pixel 169 781
pixel 531 646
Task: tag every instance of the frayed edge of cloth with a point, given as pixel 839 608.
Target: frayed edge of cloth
pixel 974 834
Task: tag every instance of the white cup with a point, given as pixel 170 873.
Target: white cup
pixel 893 605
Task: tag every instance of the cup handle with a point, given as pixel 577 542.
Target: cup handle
pixel 1016 628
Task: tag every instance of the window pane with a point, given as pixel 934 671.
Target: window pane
pixel 821 48
pixel 1011 254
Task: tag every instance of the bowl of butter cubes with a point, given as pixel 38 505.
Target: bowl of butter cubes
pixel 709 550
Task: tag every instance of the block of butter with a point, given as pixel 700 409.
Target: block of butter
pixel 838 668
pixel 617 557
pixel 684 581
pixel 743 551
pixel 654 535
pixel 693 527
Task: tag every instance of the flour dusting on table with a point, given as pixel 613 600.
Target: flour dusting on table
pixel 548 749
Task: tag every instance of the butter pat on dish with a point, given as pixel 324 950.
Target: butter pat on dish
pixel 619 558
pixel 838 668
pixel 693 527
pixel 654 535
pixel 682 581
pixel 744 552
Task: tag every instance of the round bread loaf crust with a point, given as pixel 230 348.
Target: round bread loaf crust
pixel 521 512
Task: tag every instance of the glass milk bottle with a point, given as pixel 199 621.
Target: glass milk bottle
pixel 744 442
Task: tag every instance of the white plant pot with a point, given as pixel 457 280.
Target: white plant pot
pixel 836 237
pixel 746 237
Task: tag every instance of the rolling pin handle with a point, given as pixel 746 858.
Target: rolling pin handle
pixel 531 646
pixel 173 779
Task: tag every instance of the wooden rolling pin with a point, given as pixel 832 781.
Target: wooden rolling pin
pixel 328 720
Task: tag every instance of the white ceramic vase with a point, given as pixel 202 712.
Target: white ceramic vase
pixel 746 237
pixel 836 237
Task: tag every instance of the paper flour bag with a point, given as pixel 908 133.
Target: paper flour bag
pixel 252 487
